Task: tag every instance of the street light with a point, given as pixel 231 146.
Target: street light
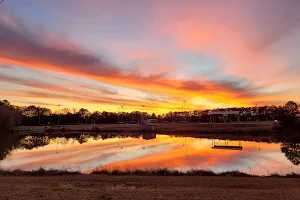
pixel 39 115
pixel 58 114
pixel 143 106
pixel 122 114
pixel 118 114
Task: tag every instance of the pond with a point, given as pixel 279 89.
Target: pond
pixel 85 153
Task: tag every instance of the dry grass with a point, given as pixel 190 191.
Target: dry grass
pixel 104 187
pixel 161 127
pixel 139 172
pixel 235 131
pixel 191 172
pixel 39 172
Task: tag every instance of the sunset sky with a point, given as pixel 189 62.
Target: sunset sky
pixel 103 54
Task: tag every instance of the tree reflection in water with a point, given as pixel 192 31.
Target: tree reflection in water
pixel 11 142
pixel 30 142
pixel 7 144
pixel 291 152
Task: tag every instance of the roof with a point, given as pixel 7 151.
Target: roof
pixel 227 147
pixel 229 112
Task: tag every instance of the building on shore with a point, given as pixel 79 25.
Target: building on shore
pixel 224 116
pixel 181 116
pixel 148 136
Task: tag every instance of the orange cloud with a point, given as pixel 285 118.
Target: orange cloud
pixel 242 35
pixel 28 46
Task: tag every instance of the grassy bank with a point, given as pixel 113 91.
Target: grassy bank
pixel 39 172
pixel 146 185
pixel 104 187
pixel 192 172
pixel 139 172
pixel 263 127
pixel 250 131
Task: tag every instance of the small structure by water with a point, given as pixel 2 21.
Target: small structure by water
pixel 224 116
pixel 148 124
pixel 226 145
pixel 148 136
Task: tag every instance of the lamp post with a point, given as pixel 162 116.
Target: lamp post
pixel 143 106
pixel 172 116
pixel 118 114
pixel 39 115
pixel 58 114
pixel 122 113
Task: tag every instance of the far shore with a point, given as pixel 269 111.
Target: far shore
pixel 159 128
pixel 250 131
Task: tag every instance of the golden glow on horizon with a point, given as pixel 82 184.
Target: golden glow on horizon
pixel 251 64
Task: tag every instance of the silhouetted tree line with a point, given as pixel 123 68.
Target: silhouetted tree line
pixel 11 116
pixel 291 114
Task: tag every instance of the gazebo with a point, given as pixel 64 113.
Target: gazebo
pixel 226 145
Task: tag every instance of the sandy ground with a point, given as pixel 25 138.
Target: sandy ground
pixel 104 187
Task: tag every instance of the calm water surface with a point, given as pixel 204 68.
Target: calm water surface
pixel 85 153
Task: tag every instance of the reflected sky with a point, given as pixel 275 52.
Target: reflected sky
pixel 150 151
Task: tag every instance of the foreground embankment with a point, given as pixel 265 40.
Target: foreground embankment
pixel 105 187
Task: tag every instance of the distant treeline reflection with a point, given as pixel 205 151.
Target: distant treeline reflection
pixel 12 142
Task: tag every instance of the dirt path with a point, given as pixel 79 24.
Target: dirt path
pixel 103 187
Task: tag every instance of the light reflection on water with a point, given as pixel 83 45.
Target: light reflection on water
pixel 85 153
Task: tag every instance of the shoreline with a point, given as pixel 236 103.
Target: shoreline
pixel 160 183
pixel 249 131
pixel 160 127
pixel 140 172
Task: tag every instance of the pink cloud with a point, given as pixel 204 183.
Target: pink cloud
pixel 239 33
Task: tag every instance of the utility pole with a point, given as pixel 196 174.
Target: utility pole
pixel 79 116
pixel 173 116
pixel 257 113
pixel 39 116
pixel 122 114
pixel 58 114
pixel 118 114
pixel 143 112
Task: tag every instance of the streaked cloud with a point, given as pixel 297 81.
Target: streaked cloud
pixel 135 153
pixel 230 53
